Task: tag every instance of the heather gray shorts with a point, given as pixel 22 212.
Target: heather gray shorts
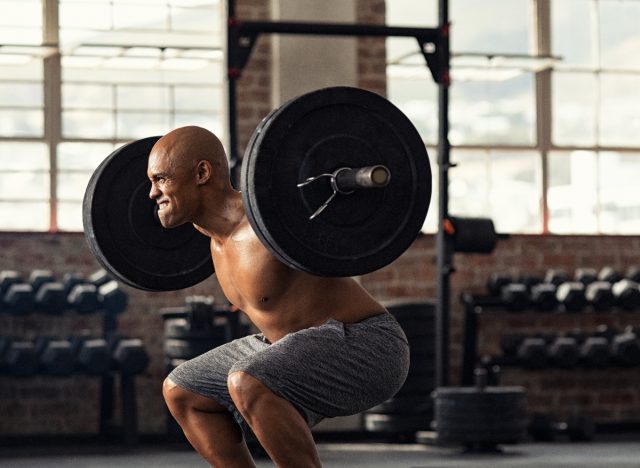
pixel 335 369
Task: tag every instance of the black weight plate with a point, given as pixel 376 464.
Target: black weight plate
pixel 391 423
pixel 122 231
pixel 321 132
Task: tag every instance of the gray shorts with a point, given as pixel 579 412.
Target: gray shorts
pixel 335 369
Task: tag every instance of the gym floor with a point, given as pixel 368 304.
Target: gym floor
pixel 619 452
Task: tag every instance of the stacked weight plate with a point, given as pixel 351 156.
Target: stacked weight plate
pixel 411 409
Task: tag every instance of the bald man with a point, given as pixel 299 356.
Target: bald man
pixel 326 348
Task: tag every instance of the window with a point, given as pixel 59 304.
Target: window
pixel 506 90
pixel 115 71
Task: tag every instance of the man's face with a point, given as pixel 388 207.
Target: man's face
pixel 171 190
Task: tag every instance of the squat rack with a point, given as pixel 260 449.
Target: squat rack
pixel 434 46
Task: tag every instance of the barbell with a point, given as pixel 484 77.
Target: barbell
pixel 336 182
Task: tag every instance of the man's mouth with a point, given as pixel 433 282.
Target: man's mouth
pixel 162 205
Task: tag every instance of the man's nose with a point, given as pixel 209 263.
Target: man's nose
pixel 154 192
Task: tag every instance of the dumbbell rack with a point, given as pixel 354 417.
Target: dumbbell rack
pixel 127 431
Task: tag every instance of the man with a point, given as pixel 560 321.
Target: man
pixel 326 347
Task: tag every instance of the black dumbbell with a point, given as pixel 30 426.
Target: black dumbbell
pixel 112 299
pixel 55 356
pixel 533 353
pixel 7 278
pixel 19 358
pixel 497 281
pixel 609 274
pixel 556 276
pixel 515 296
pixel 84 298
pixel 99 278
pixel 600 295
pixel 626 294
pixel 129 355
pixel 50 298
pixel 564 352
pixel 544 427
pixel 530 280
pixel 595 352
pixel 69 280
pixel 625 349
pixel 606 331
pixel 510 342
pixel 37 278
pixel 19 299
pixel 92 355
pixel 586 275
pixel 543 296
pixel 571 295
pixel 633 273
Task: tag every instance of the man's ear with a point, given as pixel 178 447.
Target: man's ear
pixel 204 171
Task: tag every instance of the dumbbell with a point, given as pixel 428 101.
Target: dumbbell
pixel 543 296
pixel 49 294
pixel 564 352
pixel 99 278
pixel 128 354
pixel 83 298
pixel 544 428
pixel 609 274
pixel 626 294
pixel 600 295
pixel 586 275
pixel 556 276
pixel 7 278
pixel 515 296
pixel 18 357
pixel 633 273
pixel 112 298
pixel 571 295
pixel 92 355
pixel 19 298
pixel 533 353
pixel 497 281
pixel 594 351
pixel 625 349
pixel 55 356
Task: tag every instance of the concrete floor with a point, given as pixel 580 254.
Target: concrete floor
pixel 601 454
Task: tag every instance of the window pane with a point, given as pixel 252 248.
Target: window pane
pixel 70 216
pixel 82 156
pixel 483 26
pixel 418 99
pixel 140 125
pixel 493 112
pixel 19 156
pixel 618 117
pixel 14 94
pixel 431 223
pixel 24 185
pixel 572 195
pixel 194 19
pixel 619 202
pixel 571 31
pixel 619 34
pixel 516 191
pixel 208 121
pixel 469 183
pixel 24 216
pixel 574 108
pixel 87 124
pixel 143 97
pixel 21 123
pixel 71 186
pixel 193 98
pixel 82 15
pixel 86 96
pixel 21 22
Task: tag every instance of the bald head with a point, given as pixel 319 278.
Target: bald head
pixel 187 146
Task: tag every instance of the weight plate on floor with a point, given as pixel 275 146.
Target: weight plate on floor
pixel 123 233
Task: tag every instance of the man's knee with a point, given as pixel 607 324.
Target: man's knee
pixel 180 400
pixel 246 391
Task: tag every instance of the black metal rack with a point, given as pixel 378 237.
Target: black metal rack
pixel 434 46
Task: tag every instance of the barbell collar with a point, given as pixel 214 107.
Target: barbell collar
pixel 346 180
